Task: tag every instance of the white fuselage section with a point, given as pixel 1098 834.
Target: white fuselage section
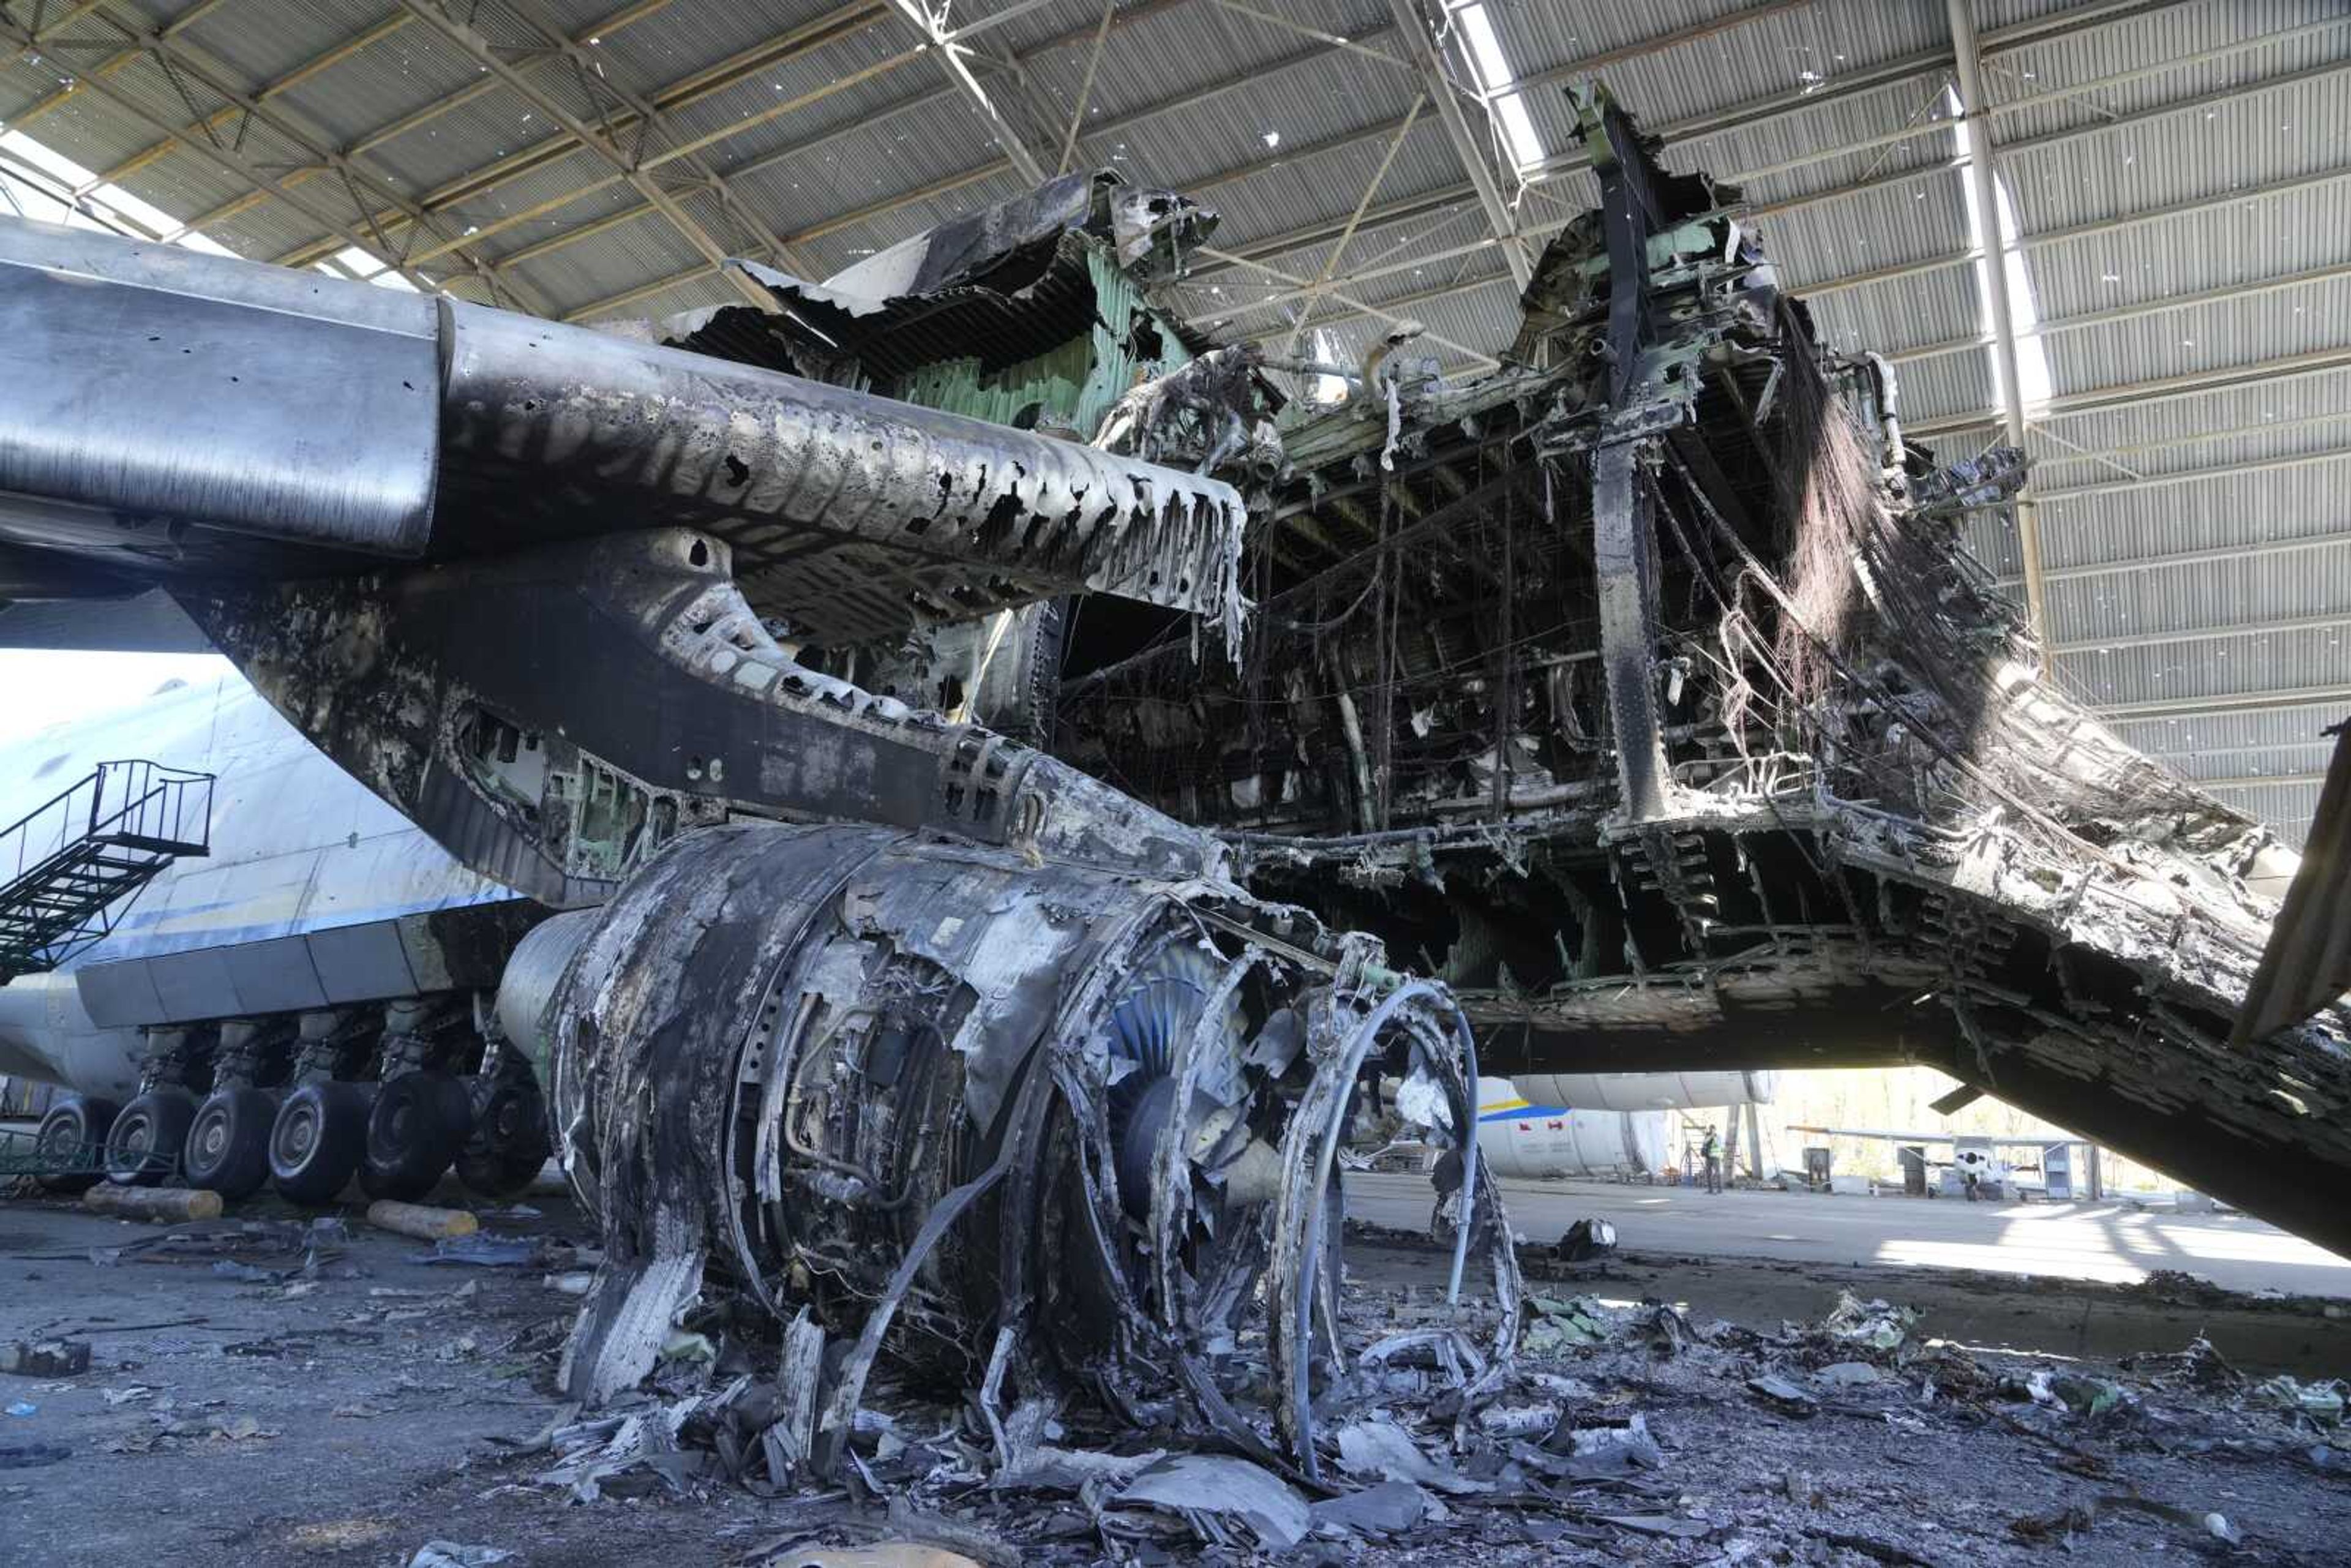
pixel 297 846
pixel 1597 1123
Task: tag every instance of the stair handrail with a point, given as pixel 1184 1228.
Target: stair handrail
pixel 21 831
pixel 157 803
pixel 168 800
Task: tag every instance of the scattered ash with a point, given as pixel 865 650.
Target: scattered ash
pixel 1621 1431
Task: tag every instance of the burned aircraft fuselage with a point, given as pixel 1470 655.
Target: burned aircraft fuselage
pixel 1643 692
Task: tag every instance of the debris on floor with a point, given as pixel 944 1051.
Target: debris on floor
pixel 1637 1429
pixel 449 1554
pixel 1586 1239
pixel 46 1358
pixel 1617 1433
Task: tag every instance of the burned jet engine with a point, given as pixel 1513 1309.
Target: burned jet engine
pixel 978 1113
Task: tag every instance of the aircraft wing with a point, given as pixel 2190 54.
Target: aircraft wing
pixel 1894 1137
pixel 173 415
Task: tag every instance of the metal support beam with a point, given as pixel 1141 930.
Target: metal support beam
pixel 1383 314
pixel 2226 294
pixel 1759 210
pixel 1983 201
pixel 464 36
pixel 1359 45
pixel 703 83
pixel 2023 102
pixel 1086 88
pixel 2204 633
pixel 1322 283
pixel 360 185
pixel 2195 438
pixel 593 81
pixel 841 22
pixel 1422 48
pixel 1657 42
pixel 1388 308
pixel 304 72
pixel 228 157
pixel 2195 475
pixel 1010 11
pixel 2044 240
pixel 2138 566
pixel 2226 702
pixel 951 59
pixel 48 27
pixel 2256 781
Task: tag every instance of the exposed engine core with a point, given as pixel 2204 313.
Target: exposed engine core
pixel 985 1116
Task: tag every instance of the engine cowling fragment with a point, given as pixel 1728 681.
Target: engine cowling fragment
pixel 980 1117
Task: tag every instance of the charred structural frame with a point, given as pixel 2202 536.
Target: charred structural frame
pixel 1642 692
pixel 990 991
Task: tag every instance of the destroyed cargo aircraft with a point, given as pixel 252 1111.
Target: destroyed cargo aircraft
pixel 990 992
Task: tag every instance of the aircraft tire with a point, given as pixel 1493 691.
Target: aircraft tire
pixel 509 1144
pixel 419 1123
pixel 228 1142
pixel 73 1123
pixel 317 1140
pixel 143 1145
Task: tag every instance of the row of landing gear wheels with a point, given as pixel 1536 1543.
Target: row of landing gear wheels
pixel 399 1138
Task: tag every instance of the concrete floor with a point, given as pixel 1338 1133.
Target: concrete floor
pixel 2106 1242
pixel 341 1421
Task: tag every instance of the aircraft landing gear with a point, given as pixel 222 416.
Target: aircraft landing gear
pixel 73 1135
pixel 143 1145
pixel 317 1139
pixel 509 1142
pixel 419 1123
pixel 228 1142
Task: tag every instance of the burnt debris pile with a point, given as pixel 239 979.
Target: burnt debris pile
pixel 1619 1430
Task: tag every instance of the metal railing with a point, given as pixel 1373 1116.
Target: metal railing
pixel 132 802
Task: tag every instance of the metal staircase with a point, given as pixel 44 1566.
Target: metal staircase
pixel 72 864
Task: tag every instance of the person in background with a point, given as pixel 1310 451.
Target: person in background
pixel 1711 1152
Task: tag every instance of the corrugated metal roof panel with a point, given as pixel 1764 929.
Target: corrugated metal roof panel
pixel 2297 232
pixel 2211 664
pixel 2215 736
pixel 2199 596
pixel 300 31
pixel 2226 511
pixel 2153 437
pixel 2287 808
pixel 2235 332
